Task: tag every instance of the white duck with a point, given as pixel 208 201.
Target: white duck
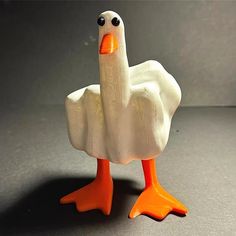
pixel 127 117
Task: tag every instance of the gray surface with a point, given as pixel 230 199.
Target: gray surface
pixel 49 49
pixel 38 166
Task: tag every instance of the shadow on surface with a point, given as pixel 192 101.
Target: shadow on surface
pixel 40 210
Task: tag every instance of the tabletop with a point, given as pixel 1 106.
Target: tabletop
pixel 38 166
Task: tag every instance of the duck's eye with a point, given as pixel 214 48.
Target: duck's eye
pixel 101 21
pixel 115 21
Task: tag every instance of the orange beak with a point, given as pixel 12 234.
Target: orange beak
pixel 109 44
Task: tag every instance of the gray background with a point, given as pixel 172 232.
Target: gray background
pixel 49 49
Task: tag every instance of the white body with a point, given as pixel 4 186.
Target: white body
pixel 128 116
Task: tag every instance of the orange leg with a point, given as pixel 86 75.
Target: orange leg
pixel 96 195
pixel 154 200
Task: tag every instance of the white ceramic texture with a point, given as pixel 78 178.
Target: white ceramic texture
pixel 128 116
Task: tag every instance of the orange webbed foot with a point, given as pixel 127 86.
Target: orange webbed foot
pixel 156 202
pixel 96 195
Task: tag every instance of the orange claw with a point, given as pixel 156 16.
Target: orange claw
pixel 154 200
pixel 96 195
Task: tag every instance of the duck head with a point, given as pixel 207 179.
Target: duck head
pixel 111 33
pixel 113 67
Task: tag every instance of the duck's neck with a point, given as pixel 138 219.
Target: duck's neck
pixel 115 83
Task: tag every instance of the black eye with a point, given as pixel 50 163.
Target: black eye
pixel 101 21
pixel 115 21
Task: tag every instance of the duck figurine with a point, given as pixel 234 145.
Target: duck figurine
pixel 127 117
